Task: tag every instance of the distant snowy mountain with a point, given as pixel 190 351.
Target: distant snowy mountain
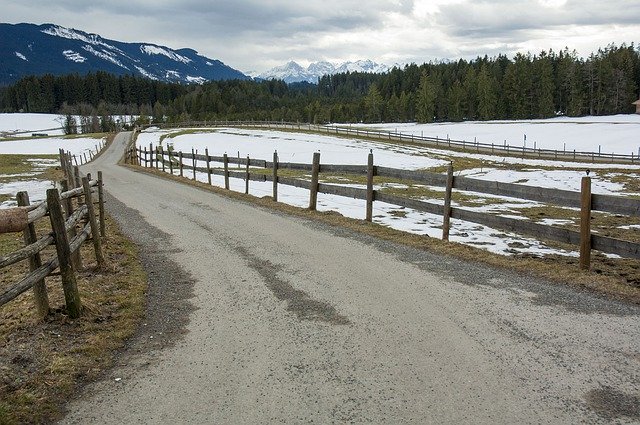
pixel 292 72
pixel 28 49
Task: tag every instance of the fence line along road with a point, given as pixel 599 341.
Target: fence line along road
pixel 68 232
pixel 441 143
pixel 189 163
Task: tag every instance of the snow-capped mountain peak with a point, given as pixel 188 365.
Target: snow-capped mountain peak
pixel 292 72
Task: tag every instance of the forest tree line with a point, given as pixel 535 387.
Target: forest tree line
pixel 528 86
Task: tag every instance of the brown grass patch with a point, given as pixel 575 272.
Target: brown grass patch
pixel 42 362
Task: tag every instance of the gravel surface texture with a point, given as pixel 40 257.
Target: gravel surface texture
pixel 259 317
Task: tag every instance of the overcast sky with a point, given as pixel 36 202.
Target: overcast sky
pixel 255 35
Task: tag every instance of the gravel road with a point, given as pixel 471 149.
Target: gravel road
pixel 258 317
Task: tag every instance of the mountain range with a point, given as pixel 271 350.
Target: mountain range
pixel 292 72
pixel 29 49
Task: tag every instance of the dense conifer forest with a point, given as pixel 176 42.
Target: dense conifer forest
pixel 527 86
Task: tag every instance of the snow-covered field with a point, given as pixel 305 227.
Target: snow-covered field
pixel 609 134
pixel 35 148
pixel 19 123
pixel 298 147
pixel 557 133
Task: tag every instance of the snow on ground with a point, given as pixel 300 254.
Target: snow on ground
pixel 299 147
pixel 612 134
pixel 11 123
pixel 294 147
pixel 49 146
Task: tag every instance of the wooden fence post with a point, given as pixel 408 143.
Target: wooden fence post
pixel 69 284
pixel 315 170
pixel 146 158
pixel 585 224
pixel 170 162
pixel 103 230
pixel 275 176
pixel 246 178
pixel 63 162
pixel 193 162
pixel 76 177
pixel 162 158
pixel 225 162
pixel 181 165
pixel 29 234
pixel 369 215
pixel 150 155
pixel 95 235
pixel 446 218
pixel 206 154
pixel 76 258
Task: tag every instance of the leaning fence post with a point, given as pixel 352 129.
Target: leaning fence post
pixel 206 154
pixel 30 236
pixel 95 237
pixel 275 176
pixel 225 162
pixel 315 170
pixel 101 205
pixel 69 284
pixel 246 178
pixel 585 224
pixel 181 165
pixel 369 215
pixel 446 219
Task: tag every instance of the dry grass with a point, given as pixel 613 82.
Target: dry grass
pixel 618 279
pixel 42 362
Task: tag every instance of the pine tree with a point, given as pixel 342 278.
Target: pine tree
pixel 425 100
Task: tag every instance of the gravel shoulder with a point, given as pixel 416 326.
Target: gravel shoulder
pixel 258 317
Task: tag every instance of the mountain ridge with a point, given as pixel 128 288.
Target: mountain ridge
pixel 31 49
pixel 292 72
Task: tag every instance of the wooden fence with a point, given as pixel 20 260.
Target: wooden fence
pixel 187 164
pixel 84 158
pixel 437 142
pixel 72 223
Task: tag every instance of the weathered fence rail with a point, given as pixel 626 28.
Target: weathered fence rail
pixel 71 226
pixel 264 171
pixel 437 142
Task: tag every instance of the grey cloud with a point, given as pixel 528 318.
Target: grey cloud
pixel 498 19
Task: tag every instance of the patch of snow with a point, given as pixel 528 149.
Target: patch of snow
pixel 145 73
pixel 157 50
pixel 72 34
pixel 74 56
pixel 630 227
pixel 197 80
pixel 37 191
pixel 21 56
pixel 105 55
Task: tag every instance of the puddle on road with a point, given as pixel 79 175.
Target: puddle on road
pixel 298 302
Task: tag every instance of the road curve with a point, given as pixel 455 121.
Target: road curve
pixel 298 322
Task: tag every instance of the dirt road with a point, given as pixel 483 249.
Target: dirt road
pixel 291 321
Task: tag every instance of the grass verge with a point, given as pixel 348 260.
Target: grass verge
pixel 44 362
pixel 614 278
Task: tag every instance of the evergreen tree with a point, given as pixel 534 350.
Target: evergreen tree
pixel 425 100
